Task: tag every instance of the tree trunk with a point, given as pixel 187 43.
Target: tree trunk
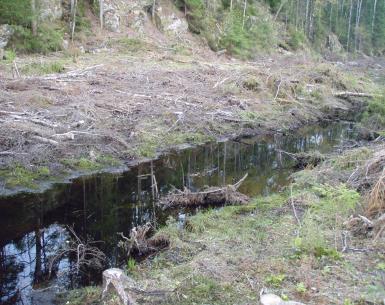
pixel 350 24
pixel 244 14
pixel 374 14
pixel 34 18
pixel 73 25
pixel 101 13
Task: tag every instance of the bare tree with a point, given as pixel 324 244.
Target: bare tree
pixel 244 13
pixel 350 24
pixel 374 14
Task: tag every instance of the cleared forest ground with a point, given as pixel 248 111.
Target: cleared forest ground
pixel 111 107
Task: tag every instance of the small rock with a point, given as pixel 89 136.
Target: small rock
pixel 6 32
pixel 272 299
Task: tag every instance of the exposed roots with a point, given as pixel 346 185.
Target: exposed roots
pixel 142 242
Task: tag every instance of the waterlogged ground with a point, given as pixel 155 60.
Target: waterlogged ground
pixel 34 226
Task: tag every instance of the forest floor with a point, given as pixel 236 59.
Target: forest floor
pixel 133 99
pixel 300 244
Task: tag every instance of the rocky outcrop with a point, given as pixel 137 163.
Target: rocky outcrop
pixel 6 32
pixel 50 10
pixel 168 21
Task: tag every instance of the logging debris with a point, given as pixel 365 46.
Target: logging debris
pixel 210 196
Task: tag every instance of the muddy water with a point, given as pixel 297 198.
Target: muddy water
pixel 34 226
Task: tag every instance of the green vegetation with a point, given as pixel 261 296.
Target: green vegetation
pixel 275 280
pixel 48 39
pixel 21 176
pixel 131 45
pixel 224 28
pixel 374 117
pixel 157 140
pixel 87 164
pixel 42 68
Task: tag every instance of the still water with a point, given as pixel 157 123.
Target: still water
pixel 34 226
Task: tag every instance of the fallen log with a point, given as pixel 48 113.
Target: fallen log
pixel 345 94
pixel 214 195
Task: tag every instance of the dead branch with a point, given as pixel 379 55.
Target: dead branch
pixel 214 195
pixel 87 254
pixel 346 94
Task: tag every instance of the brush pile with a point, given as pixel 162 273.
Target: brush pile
pixel 211 196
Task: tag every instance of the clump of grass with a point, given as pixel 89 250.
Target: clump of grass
pixel 130 45
pixel 374 116
pixel 275 280
pixel 350 159
pixel 83 296
pixel 87 164
pixel 43 68
pixel 20 176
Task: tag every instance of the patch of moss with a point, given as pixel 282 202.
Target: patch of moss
pixel 86 164
pixel 20 176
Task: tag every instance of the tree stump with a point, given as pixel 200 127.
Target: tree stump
pixel 114 279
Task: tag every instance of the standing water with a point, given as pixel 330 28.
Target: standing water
pixel 35 226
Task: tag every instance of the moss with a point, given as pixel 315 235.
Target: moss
pixel 20 176
pixel 161 139
pixel 131 45
pixel 86 164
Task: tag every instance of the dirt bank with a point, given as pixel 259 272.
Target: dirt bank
pixel 110 107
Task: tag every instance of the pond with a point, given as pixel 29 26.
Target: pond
pixel 35 226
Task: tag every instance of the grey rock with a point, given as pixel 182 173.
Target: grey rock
pixel 50 10
pixel 6 32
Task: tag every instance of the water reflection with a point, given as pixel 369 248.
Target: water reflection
pixel 34 226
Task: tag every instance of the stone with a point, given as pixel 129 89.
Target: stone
pixel 272 299
pixel 116 279
pixel 169 22
pixel 6 32
pixel 112 20
pixel 50 10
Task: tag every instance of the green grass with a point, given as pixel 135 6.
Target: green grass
pixel 131 45
pixel 86 164
pixel 42 68
pixel 20 176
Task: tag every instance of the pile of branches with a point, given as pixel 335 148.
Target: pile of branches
pixel 142 242
pixel 211 196
pixel 367 175
pixel 86 253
